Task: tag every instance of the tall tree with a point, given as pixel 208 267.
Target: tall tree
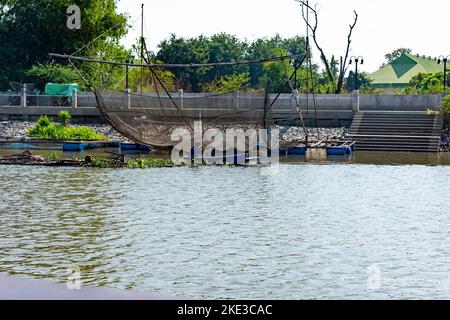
pixel 313 27
pixel 30 29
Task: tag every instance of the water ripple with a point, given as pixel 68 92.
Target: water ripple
pixel 308 232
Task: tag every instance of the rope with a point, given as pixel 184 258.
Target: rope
pixel 192 65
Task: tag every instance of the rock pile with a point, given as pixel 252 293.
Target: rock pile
pixel 297 134
pixel 19 129
pixel 445 141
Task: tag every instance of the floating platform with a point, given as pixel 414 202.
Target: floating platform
pixel 343 149
pixel 132 146
pixel 68 146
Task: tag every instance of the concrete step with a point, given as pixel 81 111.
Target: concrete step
pixel 396 131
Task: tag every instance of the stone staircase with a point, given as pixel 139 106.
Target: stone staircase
pixel 396 131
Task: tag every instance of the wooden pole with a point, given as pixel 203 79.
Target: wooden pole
pixel 142 47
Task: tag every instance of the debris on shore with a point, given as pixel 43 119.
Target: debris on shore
pixel 115 161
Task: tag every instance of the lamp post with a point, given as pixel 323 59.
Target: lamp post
pixel 444 60
pixel 357 60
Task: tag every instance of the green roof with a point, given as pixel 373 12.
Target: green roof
pixel 400 72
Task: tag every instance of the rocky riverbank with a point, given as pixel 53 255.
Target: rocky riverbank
pixel 297 134
pixel 445 141
pixel 19 129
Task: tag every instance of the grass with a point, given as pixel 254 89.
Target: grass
pixel 47 129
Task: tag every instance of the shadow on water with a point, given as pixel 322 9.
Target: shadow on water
pixel 376 158
pixel 358 157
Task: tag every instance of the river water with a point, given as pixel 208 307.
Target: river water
pixel 330 230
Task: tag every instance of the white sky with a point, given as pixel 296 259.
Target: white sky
pixel 383 25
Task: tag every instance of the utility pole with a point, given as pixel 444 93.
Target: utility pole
pixel 142 47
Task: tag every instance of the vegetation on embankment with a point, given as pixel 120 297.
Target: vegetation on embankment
pixel 47 129
pixel 444 111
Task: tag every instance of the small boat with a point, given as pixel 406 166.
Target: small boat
pixel 342 149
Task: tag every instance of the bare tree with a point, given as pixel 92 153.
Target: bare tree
pixel 313 26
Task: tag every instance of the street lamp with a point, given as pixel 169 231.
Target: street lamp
pixel 358 60
pixel 444 60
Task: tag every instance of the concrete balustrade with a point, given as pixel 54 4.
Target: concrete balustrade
pixel 330 109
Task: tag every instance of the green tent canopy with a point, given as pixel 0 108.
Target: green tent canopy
pixel 58 89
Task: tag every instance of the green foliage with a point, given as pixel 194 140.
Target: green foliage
pixel 228 83
pixel 149 163
pixel 427 83
pixel 46 129
pixel 64 117
pixel 150 84
pixel 41 74
pixel 363 81
pixel 30 29
pixel 141 163
pixel 223 48
pixel 396 54
pixel 444 110
pixel 105 163
pixel 276 73
pixel 43 122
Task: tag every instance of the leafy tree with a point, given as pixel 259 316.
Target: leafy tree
pixel 30 29
pixel 149 82
pixel 263 48
pixel 363 81
pixel 396 54
pixel 427 83
pixel 228 83
pixel 223 48
pixel 179 50
pixel 276 73
pixel 56 73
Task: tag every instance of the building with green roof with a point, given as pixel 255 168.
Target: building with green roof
pixel 399 72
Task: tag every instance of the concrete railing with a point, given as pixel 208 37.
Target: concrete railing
pixel 322 102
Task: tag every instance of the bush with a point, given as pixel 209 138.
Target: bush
pixel 444 110
pixel 43 122
pixel 46 129
pixel 64 117
pixel 56 73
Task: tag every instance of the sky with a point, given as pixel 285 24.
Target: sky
pixel 383 25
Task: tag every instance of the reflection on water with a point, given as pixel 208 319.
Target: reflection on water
pixel 310 231
pixel 359 157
